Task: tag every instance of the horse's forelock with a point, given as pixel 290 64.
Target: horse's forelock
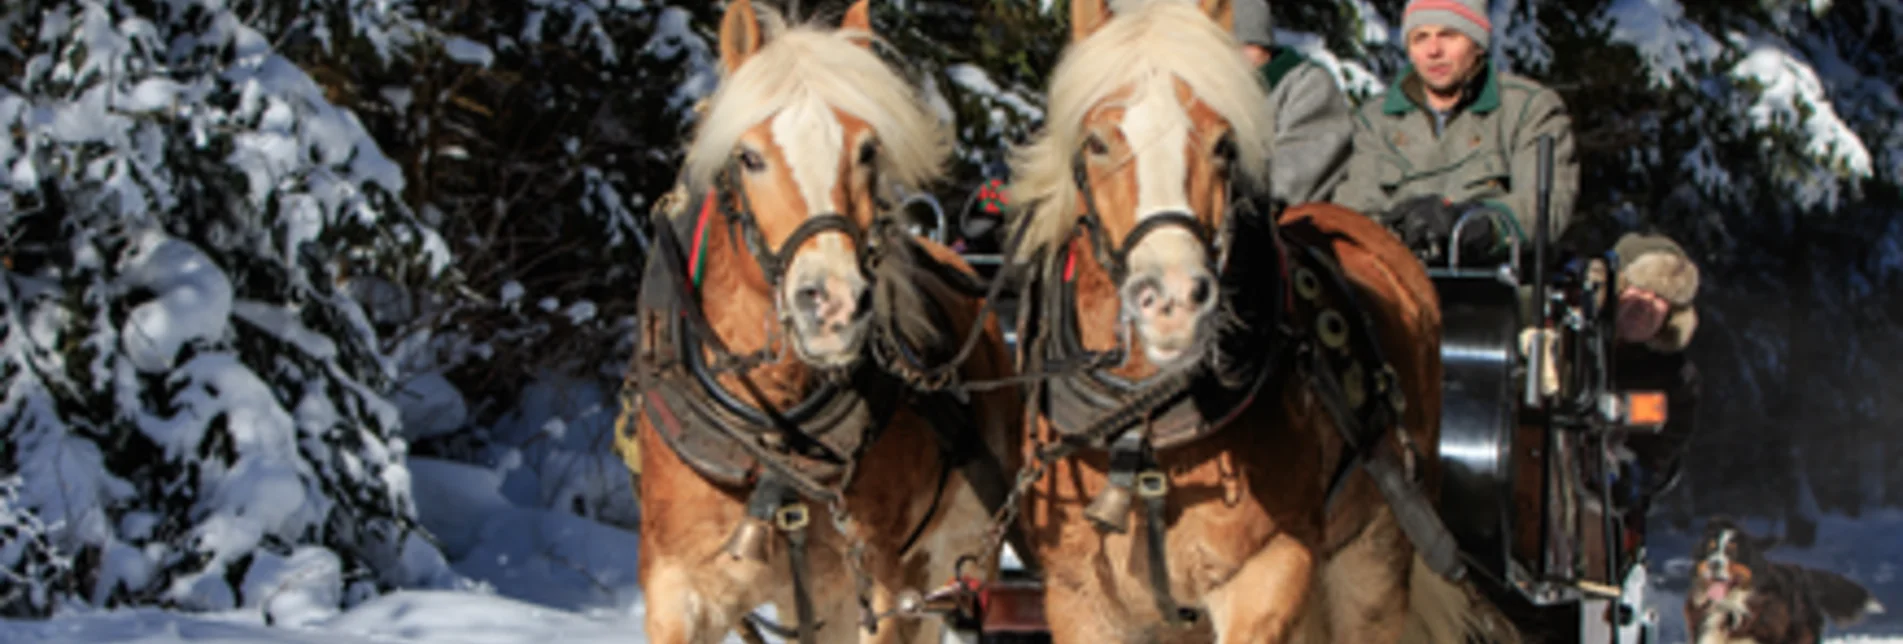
pixel 823 67
pixel 1172 39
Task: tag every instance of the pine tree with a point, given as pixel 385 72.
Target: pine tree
pixel 188 393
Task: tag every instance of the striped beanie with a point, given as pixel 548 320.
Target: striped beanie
pixel 1466 16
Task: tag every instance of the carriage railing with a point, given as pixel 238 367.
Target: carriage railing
pixel 1571 300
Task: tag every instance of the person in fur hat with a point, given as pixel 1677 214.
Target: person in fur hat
pixel 1656 317
pixel 1454 135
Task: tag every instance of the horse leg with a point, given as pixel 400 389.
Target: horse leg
pixel 1366 584
pixel 695 592
pixel 1079 609
pixel 1267 597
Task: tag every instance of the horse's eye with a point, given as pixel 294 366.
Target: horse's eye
pixel 868 152
pixel 1226 148
pixel 1095 146
pixel 752 161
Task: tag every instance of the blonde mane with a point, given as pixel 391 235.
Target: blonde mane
pixel 819 67
pixel 1155 39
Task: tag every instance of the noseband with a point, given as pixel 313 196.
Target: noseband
pixel 774 263
pixel 1115 258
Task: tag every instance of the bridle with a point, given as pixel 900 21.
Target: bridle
pixel 1218 242
pixel 773 263
pixel 1115 258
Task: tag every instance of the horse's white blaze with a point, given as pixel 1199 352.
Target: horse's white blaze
pixel 1157 129
pixel 811 141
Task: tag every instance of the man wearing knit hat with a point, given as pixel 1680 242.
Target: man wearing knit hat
pixel 1452 130
pixel 1313 124
pixel 1452 135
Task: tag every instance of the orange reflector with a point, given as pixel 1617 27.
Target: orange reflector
pixel 1645 408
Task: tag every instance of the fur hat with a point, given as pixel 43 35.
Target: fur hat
pixel 1675 278
pixel 1252 23
pixel 1466 16
pixel 1670 275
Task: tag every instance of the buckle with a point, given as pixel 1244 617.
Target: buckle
pixel 1151 484
pixel 792 516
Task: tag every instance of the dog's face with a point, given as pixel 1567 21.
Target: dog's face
pixel 1727 559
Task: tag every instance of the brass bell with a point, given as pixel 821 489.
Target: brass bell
pixel 748 541
pixel 1110 511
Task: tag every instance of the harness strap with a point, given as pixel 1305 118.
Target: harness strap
pixel 774 502
pixel 802 595
pixel 1412 510
pixel 1156 521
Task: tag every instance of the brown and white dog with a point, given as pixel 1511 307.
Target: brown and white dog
pixel 1738 596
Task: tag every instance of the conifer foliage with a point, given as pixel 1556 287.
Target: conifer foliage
pixel 187 391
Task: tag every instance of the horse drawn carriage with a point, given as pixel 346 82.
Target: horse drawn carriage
pixel 823 413
pixel 1524 433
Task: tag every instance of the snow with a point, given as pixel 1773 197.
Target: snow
pixel 431 406
pixel 192 300
pixel 974 79
pixel 1669 43
pixel 1791 97
pixel 1353 77
pixel 464 50
pixel 674 36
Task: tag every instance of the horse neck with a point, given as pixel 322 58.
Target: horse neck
pixel 738 304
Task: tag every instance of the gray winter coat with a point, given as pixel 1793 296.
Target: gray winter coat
pixel 1313 128
pixel 1485 153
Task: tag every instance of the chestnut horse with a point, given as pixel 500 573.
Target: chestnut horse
pixel 1204 404
pixel 767 431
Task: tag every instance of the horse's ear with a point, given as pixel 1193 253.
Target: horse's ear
pixel 739 34
pixel 1086 16
pixel 859 18
pixel 1221 11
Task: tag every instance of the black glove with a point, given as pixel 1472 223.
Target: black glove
pixel 1425 224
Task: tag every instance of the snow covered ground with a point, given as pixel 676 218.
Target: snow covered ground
pixel 552 576
pixel 545 575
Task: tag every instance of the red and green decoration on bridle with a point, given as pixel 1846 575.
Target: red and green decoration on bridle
pixel 991 198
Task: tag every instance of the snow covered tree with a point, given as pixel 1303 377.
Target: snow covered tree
pixel 191 403
pixel 535 137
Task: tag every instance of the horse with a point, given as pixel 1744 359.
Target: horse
pixel 791 434
pixel 1262 391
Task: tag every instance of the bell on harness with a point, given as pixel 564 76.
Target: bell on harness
pixel 1110 510
pixel 772 505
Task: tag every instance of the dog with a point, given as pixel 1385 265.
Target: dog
pixel 1738 596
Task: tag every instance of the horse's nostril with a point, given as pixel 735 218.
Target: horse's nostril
pixel 1202 292
pixel 1143 292
pixel 808 298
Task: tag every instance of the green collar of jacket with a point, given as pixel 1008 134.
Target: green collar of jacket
pixel 1486 101
pixel 1282 60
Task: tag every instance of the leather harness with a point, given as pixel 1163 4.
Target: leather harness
pixel 807 452
pixel 1316 332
